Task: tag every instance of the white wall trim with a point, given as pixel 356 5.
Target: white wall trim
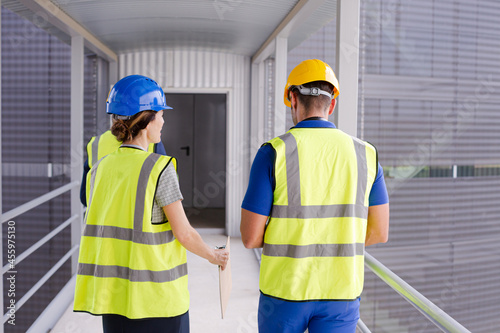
pixel 280 77
pixel 347 65
pixel 76 139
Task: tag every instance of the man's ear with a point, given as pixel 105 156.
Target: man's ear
pixel 293 100
pixel 332 106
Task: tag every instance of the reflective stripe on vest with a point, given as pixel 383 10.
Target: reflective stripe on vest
pixel 299 242
pixel 121 250
pixel 104 144
pixel 132 275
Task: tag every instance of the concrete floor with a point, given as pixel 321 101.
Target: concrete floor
pixel 204 312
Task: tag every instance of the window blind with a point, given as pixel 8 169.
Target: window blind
pixel 427 99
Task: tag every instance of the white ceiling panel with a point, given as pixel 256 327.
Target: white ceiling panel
pixel 233 26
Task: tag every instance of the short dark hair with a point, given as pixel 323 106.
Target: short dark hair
pixel 316 102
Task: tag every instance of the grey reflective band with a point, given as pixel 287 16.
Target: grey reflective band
pixel 93 172
pixel 148 238
pixel 359 147
pixel 314 250
pixel 95 147
pixel 133 275
pixel 319 212
pixel 142 185
pixel 292 169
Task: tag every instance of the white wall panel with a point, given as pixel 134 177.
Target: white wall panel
pixel 206 72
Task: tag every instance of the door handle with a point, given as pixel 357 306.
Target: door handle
pixel 186 148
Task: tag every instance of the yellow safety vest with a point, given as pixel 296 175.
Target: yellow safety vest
pixel 127 265
pixel 314 241
pixel 104 144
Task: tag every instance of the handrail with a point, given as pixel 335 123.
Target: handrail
pixel 362 327
pixel 40 282
pixel 38 244
pixel 48 319
pixel 7 216
pixel 431 311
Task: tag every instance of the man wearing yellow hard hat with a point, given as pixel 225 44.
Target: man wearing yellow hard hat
pixel 316 197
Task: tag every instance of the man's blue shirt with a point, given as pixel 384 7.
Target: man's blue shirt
pixel 260 193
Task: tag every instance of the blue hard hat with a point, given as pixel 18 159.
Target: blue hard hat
pixel 133 94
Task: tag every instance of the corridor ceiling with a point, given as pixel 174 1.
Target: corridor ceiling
pixel 232 26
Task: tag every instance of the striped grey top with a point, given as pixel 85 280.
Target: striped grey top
pixel 167 192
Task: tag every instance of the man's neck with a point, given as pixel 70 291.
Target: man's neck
pixel 314 115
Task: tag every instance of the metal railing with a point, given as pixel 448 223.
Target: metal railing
pixel 37 201
pixel 7 216
pixel 431 311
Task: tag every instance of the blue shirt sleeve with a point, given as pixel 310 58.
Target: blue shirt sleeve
pixel 160 149
pixel 378 193
pixel 260 193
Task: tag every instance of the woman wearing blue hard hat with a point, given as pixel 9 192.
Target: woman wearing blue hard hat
pixel 132 266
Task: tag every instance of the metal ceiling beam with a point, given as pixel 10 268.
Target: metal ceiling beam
pixel 47 10
pixel 299 14
pixel 280 75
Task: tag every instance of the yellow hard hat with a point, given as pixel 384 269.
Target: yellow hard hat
pixel 309 71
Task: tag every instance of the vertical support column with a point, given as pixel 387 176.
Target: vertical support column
pixel 1 208
pixel 347 65
pixel 103 87
pixel 279 85
pixel 76 139
pixel 113 73
pixel 257 109
pixel 112 79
